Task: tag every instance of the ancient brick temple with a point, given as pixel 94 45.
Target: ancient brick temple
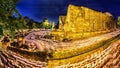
pixel 81 21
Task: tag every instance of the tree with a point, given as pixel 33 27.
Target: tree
pixel 9 24
pixel 7 9
pixel 57 25
pixel 45 23
pixel 118 23
pixel 34 25
pixel 52 26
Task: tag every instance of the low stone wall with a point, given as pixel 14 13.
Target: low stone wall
pixel 106 58
pixel 75 48
pixel 98 56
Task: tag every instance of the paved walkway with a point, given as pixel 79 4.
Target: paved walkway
pixel 49 44
pixel 89 41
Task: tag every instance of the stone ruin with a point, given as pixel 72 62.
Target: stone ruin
pixel 81 22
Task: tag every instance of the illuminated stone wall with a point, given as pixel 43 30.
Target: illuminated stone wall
pixel 61 21
pixel 82 22
pixel 82 19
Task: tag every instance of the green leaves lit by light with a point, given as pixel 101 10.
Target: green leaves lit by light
pixel 118 23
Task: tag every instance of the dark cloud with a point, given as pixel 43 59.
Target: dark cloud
pixel 52 9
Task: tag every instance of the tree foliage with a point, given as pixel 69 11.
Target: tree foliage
pixel 45 23
pixel 8 22
pixel 118 23
pixel 8 7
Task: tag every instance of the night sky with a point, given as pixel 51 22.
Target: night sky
pixel 52 9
